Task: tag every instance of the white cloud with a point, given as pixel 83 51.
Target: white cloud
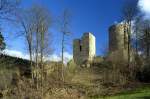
pixel 16 53
pixel 144 6
pixel 57 57
pixel 67 56
pixel 53 57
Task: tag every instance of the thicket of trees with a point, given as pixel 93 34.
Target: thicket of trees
pixel 138 30
pixel 34 24
pixel 138 44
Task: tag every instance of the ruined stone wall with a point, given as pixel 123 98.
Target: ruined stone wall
pixel 84 49
pixel 76 51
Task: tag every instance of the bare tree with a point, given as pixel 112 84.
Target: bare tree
pixel 7 8
pixel 42 38
pixel 137 32
pixel 35 23
pixel 24 18
pixel 129 12
pixel 145 38
pixel 136 27
pixel 64 23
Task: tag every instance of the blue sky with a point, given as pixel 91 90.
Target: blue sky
pixel 93 16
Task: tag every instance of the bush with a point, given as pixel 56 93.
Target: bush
pixel 70 70
pixel 144 75
pixel 114 74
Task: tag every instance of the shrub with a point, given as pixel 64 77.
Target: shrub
pixel 70 70
pixel 144 75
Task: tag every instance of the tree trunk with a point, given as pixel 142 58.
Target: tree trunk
pixel 62 74
pixel 136 42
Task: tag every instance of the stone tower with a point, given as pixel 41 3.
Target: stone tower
pixel 118 40
pixel 84 49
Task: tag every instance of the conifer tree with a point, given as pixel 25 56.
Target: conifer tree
pixel 2 43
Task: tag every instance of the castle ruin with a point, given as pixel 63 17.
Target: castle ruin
pixel 84 49
pixel 118 40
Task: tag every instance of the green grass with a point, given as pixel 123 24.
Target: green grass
pixel 138 93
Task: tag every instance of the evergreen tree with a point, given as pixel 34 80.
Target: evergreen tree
pixel 2 43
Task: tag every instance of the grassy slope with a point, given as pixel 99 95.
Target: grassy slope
pixel 139 93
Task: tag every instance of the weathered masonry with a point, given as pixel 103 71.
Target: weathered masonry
pixel 84 49
pixel 118 40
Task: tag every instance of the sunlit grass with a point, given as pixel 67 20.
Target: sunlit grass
pixel 138 93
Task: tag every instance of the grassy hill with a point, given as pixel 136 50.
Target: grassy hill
pixel 13 63
pixel 80 83
pixel 89 82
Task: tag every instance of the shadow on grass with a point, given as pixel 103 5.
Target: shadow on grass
pixel 144 97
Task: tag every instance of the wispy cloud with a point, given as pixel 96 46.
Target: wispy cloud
pixel 53 57
pixel 144 6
